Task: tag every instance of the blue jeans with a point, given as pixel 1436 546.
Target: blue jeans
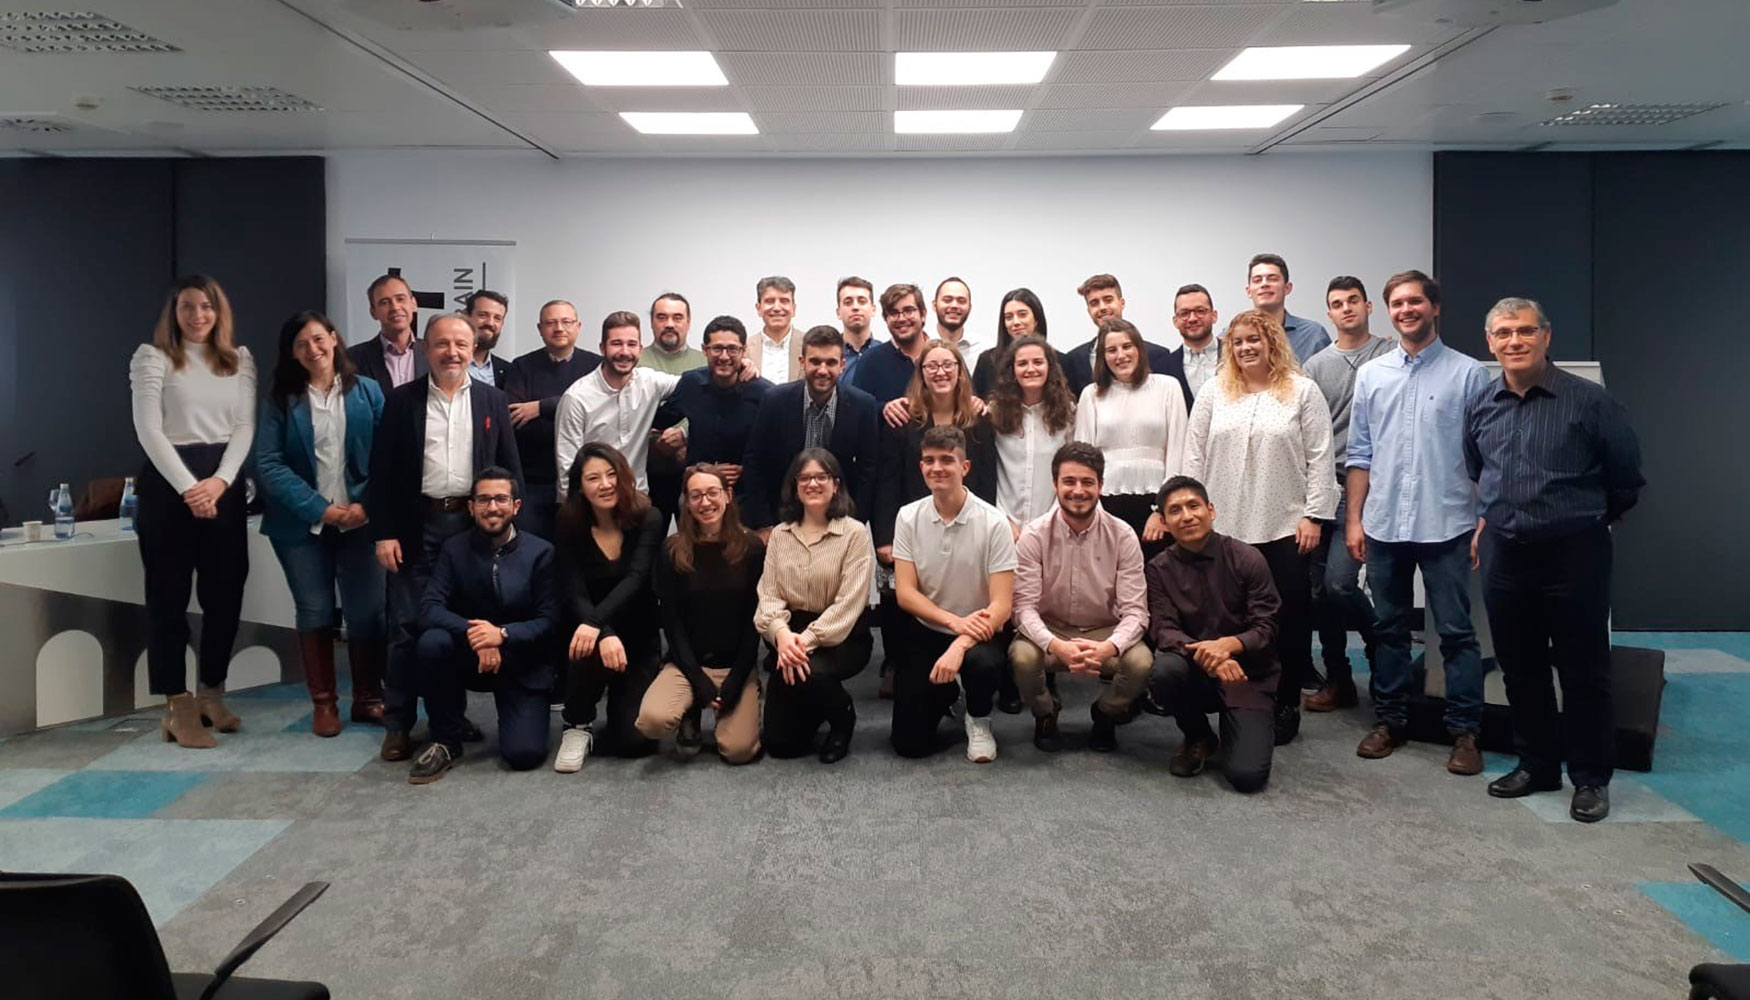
pixel 1339 603
pixel 315 564
pixel 1445 566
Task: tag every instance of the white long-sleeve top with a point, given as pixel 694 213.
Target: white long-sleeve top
pixel 192 406
pixel 1024 486
pixel 1266 461
pixel 592 410
pixel 1141 430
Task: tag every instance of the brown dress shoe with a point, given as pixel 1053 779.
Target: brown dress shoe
pixel 1379 742
pixel 1333 696
pixel 1465 758
pixel 182 723
pixel 1189 760
pixel 396 746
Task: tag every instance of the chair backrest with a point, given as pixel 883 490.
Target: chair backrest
pixel 84 936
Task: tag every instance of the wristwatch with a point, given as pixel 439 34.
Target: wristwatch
pixel 504 633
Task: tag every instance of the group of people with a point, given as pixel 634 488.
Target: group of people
pixel 631 532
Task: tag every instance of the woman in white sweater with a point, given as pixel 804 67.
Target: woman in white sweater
pixel 194 413
pixel 1260 442
pixel 1137 419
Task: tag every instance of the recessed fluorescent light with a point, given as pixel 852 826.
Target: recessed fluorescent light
pixel 1224 116
pixel 959 69
pixel 642 69
pixel 1308 62
pixel 955 121
pixel 691 122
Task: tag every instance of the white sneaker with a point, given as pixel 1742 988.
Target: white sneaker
pixel 574 745
pixel 981 746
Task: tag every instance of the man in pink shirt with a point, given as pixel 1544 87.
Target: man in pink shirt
pixel 1081 603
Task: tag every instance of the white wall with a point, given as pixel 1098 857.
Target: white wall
pixel 610 234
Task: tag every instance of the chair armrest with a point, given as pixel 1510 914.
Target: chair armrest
pixel 1721 884
pixel 263 932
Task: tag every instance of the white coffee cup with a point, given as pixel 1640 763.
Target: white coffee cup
pixel 33 531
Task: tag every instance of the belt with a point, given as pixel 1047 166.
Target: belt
pixel 444 505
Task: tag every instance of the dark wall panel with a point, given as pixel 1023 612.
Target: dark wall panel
pixel 1669 255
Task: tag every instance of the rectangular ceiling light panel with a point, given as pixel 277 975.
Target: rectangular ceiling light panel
pixel 74 31
pixel 1225 116
pixel 230 98
pixel 958 122
pixel 642 69
pixel 969 69
pixel 691 122
pixel 1308 62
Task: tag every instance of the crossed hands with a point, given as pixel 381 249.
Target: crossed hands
pixel 203 497
pixel 792 657
pixel 1216 657
pixel 1082 656
pixel 485 639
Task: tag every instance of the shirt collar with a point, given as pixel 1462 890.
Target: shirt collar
pixel 390 348
pixel 1546 384
pixel 959 518
pixel 1213 347
pixel 1207 555
pixel 1426 354
pixel 1059 520
pixel 484 544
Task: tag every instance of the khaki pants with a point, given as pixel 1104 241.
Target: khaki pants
pixel 1126 673
pixel 669 697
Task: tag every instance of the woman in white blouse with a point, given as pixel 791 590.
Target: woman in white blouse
pixel 1137 419
pixel 1260 442
pixel 194 413
pixel 1033 414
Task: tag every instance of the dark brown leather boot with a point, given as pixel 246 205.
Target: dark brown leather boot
pixel 366 657
pixel 317 647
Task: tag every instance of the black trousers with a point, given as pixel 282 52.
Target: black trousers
pixel 1248 736
pixel 919 704
pixel 587 681
pixel 795 712
pixel 1549 605
pixel 1133 509
pixel 180 553
pixel 406 588
pixel 449 669
pixel 1288 570
pixel 540 513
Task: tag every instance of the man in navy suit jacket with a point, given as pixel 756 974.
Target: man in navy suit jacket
pixel 418 494
pixel 392 358
pixel 780 430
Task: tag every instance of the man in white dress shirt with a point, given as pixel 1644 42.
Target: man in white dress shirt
pixel 615 404
pixel 778 357
pixel 1199 352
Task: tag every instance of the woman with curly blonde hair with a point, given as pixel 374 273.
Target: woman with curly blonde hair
pixel 1261 443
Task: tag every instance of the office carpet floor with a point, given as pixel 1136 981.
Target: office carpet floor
pixel 1039 876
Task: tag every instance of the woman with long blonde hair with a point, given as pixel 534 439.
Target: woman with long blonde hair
pixel 1260 441
pixel 194 413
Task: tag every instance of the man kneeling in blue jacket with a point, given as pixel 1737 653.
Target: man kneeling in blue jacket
pixel 488 622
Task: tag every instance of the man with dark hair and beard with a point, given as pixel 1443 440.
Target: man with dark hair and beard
pixel 487 309
pixel 671 317
pixel 953 304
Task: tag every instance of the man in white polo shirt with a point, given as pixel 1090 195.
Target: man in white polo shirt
pixel 954 576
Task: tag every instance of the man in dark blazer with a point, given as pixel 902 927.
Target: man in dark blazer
pixel 487 309
pixel 1105 300
pixel 491 623
pixel 419 491
pixel 781 429
pixel 392 357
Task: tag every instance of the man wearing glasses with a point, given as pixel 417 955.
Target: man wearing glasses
pixel 718 406
pixel 1199 355
pixel 535 383
pixel 885 370
pixel 488 623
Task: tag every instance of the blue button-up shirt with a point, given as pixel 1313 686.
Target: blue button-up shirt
pixel 1306 337
pixel 1560 459
pixel 1406 426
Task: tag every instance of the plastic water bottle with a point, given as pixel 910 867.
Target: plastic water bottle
pixel 130 505
pixel 62 501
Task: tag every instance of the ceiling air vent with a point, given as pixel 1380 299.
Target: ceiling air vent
pixel 230 98
pixel 1630 114
pixel 74 31
pixel 35 125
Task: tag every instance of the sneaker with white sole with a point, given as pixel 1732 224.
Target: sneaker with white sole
pixel 981 746
pixel 575 744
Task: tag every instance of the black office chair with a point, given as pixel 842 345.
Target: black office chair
pixel 88 937
pixel 1713 980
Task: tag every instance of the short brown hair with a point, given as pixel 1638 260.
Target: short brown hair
pixel 616 320
pixel 1098 283
pixel 891 297
pixel 853 282
pixel 1430 287
pixel 944 438
pixel 1081 453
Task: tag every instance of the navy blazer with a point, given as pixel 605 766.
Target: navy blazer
pixel 398 457
pixel 500 370
pixel 777 437
pixel 1079 370
pixel 513 588
pixel 368 359
pixel 284 455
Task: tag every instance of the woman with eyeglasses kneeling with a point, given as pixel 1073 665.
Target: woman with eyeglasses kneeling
pixel 706 583
pixel 813 593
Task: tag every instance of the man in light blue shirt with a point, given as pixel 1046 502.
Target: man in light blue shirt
pixel 1413 506
pixel 1268 287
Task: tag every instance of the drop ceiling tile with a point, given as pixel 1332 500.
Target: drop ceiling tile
pixel 951 98
pixel 1074 141
pixel 794 30
pixel 1114 95
pixel 830 142
pixel 565 130
pixel 815 98
pixel 1198 3
pixel 822 121
pixel 783 4
pixel 512 68
pixel 536 98
pixel 707 145
pixel 928 143
pixel 1183 26
pixel 803 69
pixel 1271 91
pixel 618 28
pixel 1140 66
pixel 939 4
pixel 1089 119
pixel 1021 30
pixel 665 99
pixel 1350 24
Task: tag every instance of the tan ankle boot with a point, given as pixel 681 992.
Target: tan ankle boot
pixel 213 710
pixel 182 724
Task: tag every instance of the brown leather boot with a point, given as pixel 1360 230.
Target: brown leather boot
pixel 317 647
pixel 1334 695
pixel 1465 757
pixel 366 657
pixel 214 711
pixel 182 723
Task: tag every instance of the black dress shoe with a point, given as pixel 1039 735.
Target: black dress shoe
pixel 1009 704
pixel 1287 722
pixel 1519 783
pixel 1045 734
pixel 1103 738
pixel 470 732
pixel 836 748
pixel 1591 803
